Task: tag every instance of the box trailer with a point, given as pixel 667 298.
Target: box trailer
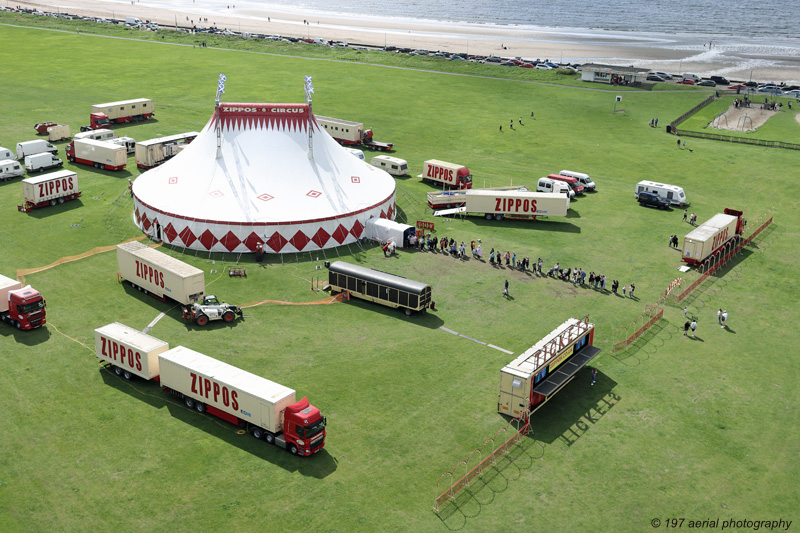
pixel 20 306
pixel 498 204
pixel 100 154
pixel 39 146
pixel 126 110
pixel 10 168
pixel 451 175
pixel 268 409
pixel 712 235
pixel 153 152
pixel 159 274
pixel 59 132
pixel 350 133
pixel 49 189
pixel 129 352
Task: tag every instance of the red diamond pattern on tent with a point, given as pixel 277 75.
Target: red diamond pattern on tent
pixel 355 179
pixel 313 194
pixel 390 212
pixel 187 236
pixel 208 240
pixel 340 234
pixel 251 241
pixel 383 215
pixel 321 237
pixel 299 240
pixel 173 180
pixel 357 230
pixel 230 241
pixel 138 216
pixel 145 222
pixel 276 242
pixel 265 197
pixel 216 194
pixel 170 232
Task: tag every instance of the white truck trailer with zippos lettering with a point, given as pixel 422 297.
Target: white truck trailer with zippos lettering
pixel 499 203
pixel 49 189
pixel 159 274
pixel 129 352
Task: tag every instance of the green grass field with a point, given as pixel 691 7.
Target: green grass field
pixel 780 127
pixel 674 428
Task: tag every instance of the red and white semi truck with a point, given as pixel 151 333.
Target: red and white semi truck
pixel 268 410
pixel 100 154
pixel 709 237
pixel 20 306
pixel 153 152
pixel 159 274
pixel 49 189
pixel 351 133
pixel 500 203
pixel 451 175
pixel 103 115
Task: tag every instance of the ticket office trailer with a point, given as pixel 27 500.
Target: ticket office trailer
pixel 710 236
pixel 672 193
pixel 159 274
pixel 126 110
pixel 450 175
pixel 379 287
pixel 129 352
pixel 153 152
pixel 533 378
pixel 269 410
pixel 492 204
pixel 49 189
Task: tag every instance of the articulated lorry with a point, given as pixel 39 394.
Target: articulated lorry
pixel 499 203
pixel 268 410
pixel 153 152
pixel 103 115
pixel 709 237
pixel 159 274
pixel 351 133
pixel 100 154
pixel 49 189
pixel 451 175
pixel 20 306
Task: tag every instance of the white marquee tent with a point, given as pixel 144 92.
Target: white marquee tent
pixel 253 180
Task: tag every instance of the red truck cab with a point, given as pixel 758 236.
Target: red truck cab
pixel 26 308
pixel 304 427
pixel 97 121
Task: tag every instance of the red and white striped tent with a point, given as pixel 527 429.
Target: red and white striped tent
pixel 254 181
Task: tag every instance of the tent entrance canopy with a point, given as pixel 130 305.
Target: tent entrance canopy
pixel 566 371
pixel 384 230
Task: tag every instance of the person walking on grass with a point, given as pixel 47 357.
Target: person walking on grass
pixel 505 289
pixel 686 328
pixel 633 288
pixel 685 211
pixel 719 316
pixel 724 319
pixel 694 325
pixel 594 375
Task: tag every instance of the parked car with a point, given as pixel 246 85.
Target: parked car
pixel 526 65
pixel 655 77
pixel 750 84
pixel 508 64
pixel 687 81
pixel 542 66
pixel 738 86
pixel 707 83
pixel 663 75
pixel 652 200
pixel 550 64
pixel 719 80
pixel 792 94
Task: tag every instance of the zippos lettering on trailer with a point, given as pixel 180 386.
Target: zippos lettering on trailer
pixel 720 238
pixel 517 205
pixel 441 174
pixel 205 388
pixel 150 274
pixel 62 185
pixel 120 353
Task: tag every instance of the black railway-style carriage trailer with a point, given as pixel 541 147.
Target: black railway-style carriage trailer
pixel 379 287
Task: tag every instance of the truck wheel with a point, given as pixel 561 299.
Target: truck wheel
pixel 408 312
pixel 18 324
pixel 488 216
pixel 61 200
pixel 201 320
pixel 189 402
pixel 293 449
pixel 270 438
pixel 228 316
pixel 498 216
pixel 200 407
pixel 257 432
pixel 53 202
pixel 127 375
pixel 117 370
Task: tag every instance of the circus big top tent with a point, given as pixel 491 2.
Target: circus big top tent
pixel 255 174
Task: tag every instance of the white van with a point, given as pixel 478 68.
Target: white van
pixel 356 152
pixel 41 162
pixel 5 153
pixel 133 21
pixel 671 193
pixel 584 179
pixel 548 185
pixel 694 77
pixel 393 165
pixel 10 169
pixel 34 147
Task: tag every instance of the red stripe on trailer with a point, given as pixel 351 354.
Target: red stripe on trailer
pixel 222 414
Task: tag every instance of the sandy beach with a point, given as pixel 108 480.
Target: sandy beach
pixel 669 53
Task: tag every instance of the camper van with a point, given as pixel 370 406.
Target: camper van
pixel 393 165
pixel 356 152
pixel 97 135
pixel 5 153
pixel 39 146
pixel 10 169
pixel 582 178
pixel 548 185
pixel 671 193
